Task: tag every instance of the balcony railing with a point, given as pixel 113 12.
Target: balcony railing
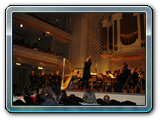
pixel 49 21
pixel 33 54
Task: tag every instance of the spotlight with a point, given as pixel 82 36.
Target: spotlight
pixel 21 25
pixel 39 38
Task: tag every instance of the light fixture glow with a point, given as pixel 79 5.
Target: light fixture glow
pixel 21 25
pixel 18 63
pixel 48 32
pixel 40 68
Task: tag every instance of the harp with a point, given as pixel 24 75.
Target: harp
pixel 65 84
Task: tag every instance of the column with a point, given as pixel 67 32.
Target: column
pixel 119 17
pixel 113 34
pixel 105 65
pixel 104 38
pixel 139 27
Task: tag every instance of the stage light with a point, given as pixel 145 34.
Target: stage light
pixel 56 20
pixel 39 38
pixel 21 25
pixel 33 66
pixel 18 63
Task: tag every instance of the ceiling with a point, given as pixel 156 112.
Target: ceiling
pixel 32 32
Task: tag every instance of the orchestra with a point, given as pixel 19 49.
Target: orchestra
pixel 131 80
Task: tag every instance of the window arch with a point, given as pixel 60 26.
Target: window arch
pixel 128 26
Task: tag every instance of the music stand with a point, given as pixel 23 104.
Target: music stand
pixel 139 85
pixel 126 84
pixel 112 78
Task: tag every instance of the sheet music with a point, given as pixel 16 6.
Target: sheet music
pixel 111 75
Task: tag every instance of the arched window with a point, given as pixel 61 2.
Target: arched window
pixel 129 31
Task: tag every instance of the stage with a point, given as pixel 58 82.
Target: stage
pixel 139 99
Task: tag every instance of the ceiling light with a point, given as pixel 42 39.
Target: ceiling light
pixel 48 32
pixel 40 68
pixel 18 63
pixel 21 25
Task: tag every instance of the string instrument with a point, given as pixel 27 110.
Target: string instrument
pixel 65 84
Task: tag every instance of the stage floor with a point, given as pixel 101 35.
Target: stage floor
pixel 139 99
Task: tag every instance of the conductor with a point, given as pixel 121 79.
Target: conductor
pixel 86 72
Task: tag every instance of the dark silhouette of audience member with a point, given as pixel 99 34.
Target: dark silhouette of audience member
pixel 48 51
pixel 19 94
pixel 57 79
pixel 128 103
pixel 106 99
pixel 89 98
pixel 114 102
pixel 53 96
pixel 45 91
pixel 33 79
pixel 33 94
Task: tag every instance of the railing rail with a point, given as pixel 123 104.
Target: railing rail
pixel 33 54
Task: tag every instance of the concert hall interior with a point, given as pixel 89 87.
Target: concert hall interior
pixel 53 49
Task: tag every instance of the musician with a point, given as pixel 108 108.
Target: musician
pixel 118 78
pixel 86 72
pixel 51 78
pixel 33 79
pixel 57 79
pixel 74 81
pixel 141 74
pixel 126 73
pixel 141 77
pixel 41 79
pixel 101 81
pixel 134 77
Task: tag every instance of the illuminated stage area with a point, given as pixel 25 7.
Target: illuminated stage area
pixel 139 99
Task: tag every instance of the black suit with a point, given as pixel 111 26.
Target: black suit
pixel 126 73
pixel 86 73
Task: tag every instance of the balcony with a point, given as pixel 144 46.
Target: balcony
pixel 30 55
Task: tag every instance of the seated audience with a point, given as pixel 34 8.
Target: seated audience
pixel 15 88
pixel 128 103
pixel 52 52
pixel 45 91
pixel 101 102
pixel 106 99
pixel 19 94
pixel 89 98
pixel 33 94
pixel 114 102
pixel 48 51
pixel 53 96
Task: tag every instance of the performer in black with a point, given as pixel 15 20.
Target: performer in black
pixel 33 79
pixel 86 72
pixel 51 78
pixel 57 79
